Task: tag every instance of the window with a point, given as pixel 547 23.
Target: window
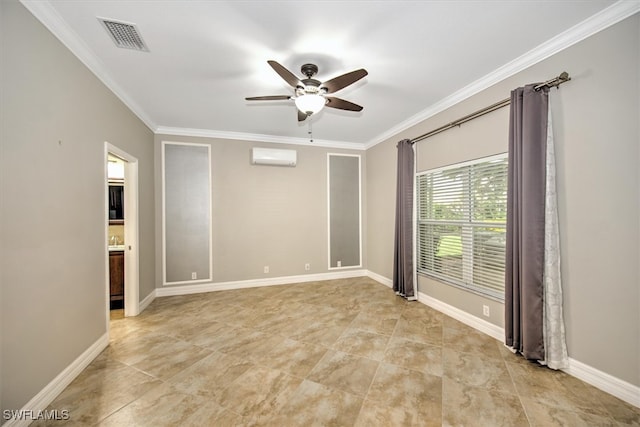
pixel 462 215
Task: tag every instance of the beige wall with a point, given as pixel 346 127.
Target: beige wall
pixel 597 153
pixel 56 117
pixel 262 215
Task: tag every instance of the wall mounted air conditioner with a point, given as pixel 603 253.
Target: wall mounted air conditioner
pixel 272 156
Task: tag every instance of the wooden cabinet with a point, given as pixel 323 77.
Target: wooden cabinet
pixel 116 278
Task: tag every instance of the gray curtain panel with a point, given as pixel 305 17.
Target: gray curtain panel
pixel 524 289
pixel 403 247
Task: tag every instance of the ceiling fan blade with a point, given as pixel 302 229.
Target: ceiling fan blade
pixel 341 104
pixel 344 80
pixel 287 75
pixel 268 98
pixel 301 116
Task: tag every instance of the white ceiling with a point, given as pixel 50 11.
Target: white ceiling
pixel 205 57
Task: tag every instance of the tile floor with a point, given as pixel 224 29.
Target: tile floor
pixel 332 353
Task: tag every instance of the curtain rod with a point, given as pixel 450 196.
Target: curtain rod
pixel 554 82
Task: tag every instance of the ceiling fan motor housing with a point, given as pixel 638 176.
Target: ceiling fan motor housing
pixel 309 70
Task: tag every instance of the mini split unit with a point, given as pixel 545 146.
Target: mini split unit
pixel 274 157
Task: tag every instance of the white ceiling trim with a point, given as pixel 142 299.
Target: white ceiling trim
pixel 205 133
pixel 49 17
pixel 598 22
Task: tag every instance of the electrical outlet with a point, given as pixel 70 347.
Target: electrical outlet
pixel 339 263
pixel 485 310
pixel 194 275
pixel 266 268
pixel 307 266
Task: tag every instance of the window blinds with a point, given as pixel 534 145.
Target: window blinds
pixel 462 211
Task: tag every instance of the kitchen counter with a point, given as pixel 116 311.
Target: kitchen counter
pixel 115 248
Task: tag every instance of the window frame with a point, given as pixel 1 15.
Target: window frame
pixel 467 227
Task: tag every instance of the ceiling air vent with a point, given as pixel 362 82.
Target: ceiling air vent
pixel 124 34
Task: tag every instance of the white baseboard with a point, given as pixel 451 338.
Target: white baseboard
pixel 146 301
pixel 475 322
pixel 599 379
pixel 41 400
pixel 381 279
pixel 451 311
pixel 241 284
pixel 605 382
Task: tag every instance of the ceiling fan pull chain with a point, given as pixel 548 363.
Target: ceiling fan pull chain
pixel 310 131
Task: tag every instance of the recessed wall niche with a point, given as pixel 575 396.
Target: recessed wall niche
pixel 186 188
pixel 344 211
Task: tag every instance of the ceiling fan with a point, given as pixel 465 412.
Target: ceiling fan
pixel 311 94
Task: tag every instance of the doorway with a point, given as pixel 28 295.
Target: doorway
pixel 121 229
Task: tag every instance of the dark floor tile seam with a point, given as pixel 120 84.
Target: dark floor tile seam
pixel 368 390
pixel 138 397
pixel 135 368
pixel 221 390
pixel 168 380
pixel 439 345
pixel 386 347
pixel 442 347
pixel 395 327
pixel 211 351
pixel 368 331
pixel 359 356
pixel 176 338
pixel 513 382
pixel 303 378
pixel 253 420
pixel 476 354
pixel 417 371
pixel 288 373
pixel 378 369
pixel 339 389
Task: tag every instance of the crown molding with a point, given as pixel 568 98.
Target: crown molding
pixel 590 26
pixel 206 133
pixel 49 17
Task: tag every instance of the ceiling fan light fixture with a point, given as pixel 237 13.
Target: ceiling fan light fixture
pixel 310 94
pixel 310 103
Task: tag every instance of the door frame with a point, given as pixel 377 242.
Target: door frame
pixel 131 252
